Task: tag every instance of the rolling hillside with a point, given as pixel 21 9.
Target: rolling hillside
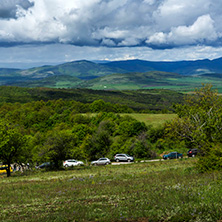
pixel 132 80
pixel 152 80
pixel 130 74
pixel 81 69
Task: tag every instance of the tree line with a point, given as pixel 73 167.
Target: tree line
pixel 146 101
pixel 56 130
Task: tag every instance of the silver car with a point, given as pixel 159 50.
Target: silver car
pixel 123 157
pixel 72 162
pixel 101 161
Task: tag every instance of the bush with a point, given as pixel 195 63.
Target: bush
pixel 212 160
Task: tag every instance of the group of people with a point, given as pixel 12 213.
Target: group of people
pixel 20 167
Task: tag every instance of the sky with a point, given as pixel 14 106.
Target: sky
pixel 40 32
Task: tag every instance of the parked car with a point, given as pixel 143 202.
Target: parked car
pixel 101 161
pixel 3 169
pixel 123 157
pixel 192 152
pixel 173 155
pixel 72 162
pixel 45 165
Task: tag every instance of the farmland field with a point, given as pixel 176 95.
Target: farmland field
pixel 157 191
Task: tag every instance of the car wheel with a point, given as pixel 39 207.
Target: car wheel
pixel 179 157
pixel 168 158
pixel 128 160
pixel 117 160
pixel 66 165
pixel 193 155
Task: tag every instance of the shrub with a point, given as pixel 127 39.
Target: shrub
pixel 212 160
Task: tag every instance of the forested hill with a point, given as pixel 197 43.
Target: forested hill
pixel 138 100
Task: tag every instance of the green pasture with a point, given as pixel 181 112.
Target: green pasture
pixel 115 86
pixel 152 119
pixel 154 191
pixel 149 119
pixel 181 84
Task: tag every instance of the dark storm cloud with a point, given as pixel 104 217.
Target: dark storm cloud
pixel 9 8
pixel 112 23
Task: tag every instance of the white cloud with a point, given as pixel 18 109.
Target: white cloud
pixel 78 22
pixel 161 24
pixel 172 13
pixel 201 31
pixel 112 22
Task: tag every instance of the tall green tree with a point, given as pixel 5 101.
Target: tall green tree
pixel 12 144
pixel 58 146
pixel 199 121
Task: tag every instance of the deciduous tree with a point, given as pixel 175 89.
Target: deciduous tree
pixel 199 121
pixel 12 144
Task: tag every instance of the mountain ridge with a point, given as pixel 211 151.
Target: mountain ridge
pixel 83 71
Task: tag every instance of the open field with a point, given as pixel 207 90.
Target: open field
pixel 149 119
pixel 183 84
pixel 152 119
pixel 158 191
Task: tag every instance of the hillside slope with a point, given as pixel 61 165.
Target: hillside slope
pixel 81 69
pixel 135 99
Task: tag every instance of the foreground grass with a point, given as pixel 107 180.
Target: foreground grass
pixel 157 191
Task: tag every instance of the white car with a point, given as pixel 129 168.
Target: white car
pixel 72 162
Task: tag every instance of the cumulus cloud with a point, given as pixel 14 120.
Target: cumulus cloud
pixel 201 31
pixel 112 23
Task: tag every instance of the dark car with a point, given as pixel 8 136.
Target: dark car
pixel 45 165
pixel 123 157
pixel 192 152
pixel 173 155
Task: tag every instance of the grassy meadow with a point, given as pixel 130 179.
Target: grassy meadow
pixel 179 83
pixel 155 120
pixel 152 191
pixel 152 119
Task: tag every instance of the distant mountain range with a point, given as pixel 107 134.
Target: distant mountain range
pixel 181 67
pixel 88 74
